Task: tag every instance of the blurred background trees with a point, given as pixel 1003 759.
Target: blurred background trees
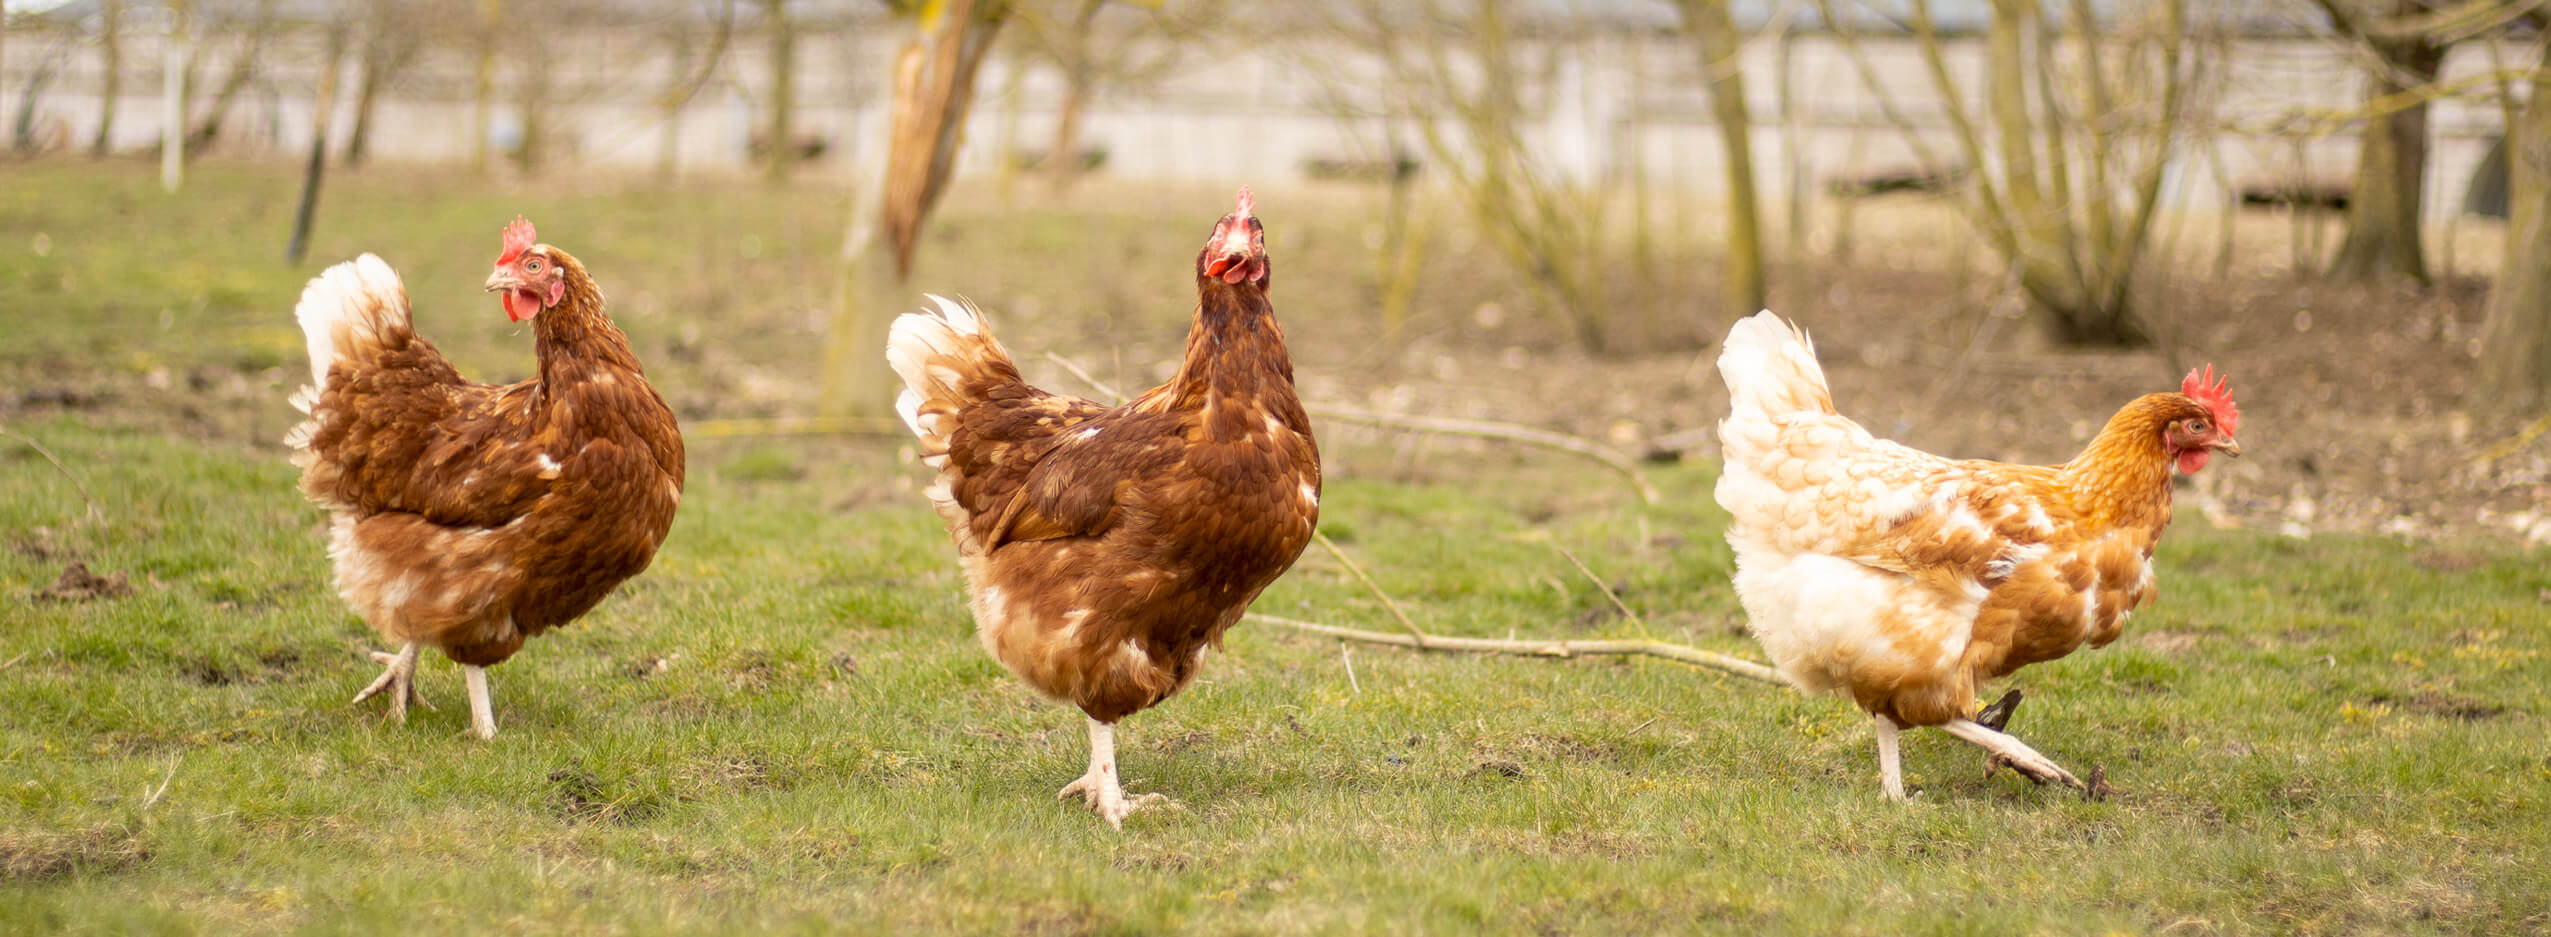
pixel 1591 147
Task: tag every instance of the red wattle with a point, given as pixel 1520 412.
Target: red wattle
pixel 520 306
pixel 2190 460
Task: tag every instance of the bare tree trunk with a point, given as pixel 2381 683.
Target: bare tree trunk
pixel 536 107
pixel 110 15
pixel 380 55
pixel 307 213
pixel 2385 201
pixel 1723 73
pixel 933 88
pixel 2515 363
pixel 174 61
pixel 683 88
pixel 489 12
pixel 1062 159
pixel 779 147
pixel 1801 168
pixel 22 125
pixel 358 138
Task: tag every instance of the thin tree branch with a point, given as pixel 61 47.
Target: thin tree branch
pixel 1529 647
pixel 1455 427
pixel 1506 431
pixel 1113 396
pixel 1415 633
pixel 1606 589
pixel 82 487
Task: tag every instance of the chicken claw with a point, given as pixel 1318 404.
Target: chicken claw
pixel 398 677
pixel 2005 750
pixel 1108 800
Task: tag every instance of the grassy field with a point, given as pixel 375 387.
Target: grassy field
pixel 785 725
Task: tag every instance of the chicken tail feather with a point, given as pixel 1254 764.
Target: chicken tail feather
pixel 948 359
pixel 354 309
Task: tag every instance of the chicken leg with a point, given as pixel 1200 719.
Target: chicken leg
pixel 482 713
pixel 2008 750
pixel 1890 766
pixel 1098 786
pixel 398 677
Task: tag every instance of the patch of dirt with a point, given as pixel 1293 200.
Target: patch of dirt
pixel 1142 859
pixel 1178 742
pixel 77 584
pixel 1499 769
pixel 63 396
pixel 2166 642
pixel 267 666
pixel 577 795
pixel 42 545
pixel 2353 398
pixel 2443 705
pixel 753 670
pixel 28 856
pixel 2451 561
pixel 1566 748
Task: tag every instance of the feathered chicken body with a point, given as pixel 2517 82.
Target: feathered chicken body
pixel 1106 547
pixel 1904 580
pixel 466 516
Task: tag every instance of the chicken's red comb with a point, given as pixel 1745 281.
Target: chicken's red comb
pixel 2208 391
pixel 518 238
pixel 1248 203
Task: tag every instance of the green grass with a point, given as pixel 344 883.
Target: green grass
pixel 785 725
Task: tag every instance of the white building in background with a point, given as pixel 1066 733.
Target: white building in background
pixel 1624 99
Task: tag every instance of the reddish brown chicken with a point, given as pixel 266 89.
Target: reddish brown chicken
pixel 469 517
pixel 1904 580
pixel 1106 548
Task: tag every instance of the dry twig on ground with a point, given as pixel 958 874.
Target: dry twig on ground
pixel 94 513
pixel 1531 647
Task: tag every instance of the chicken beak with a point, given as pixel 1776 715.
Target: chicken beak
pixel 501 280
pixel 2228 446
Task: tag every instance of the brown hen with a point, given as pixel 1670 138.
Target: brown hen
pixel 465 516
pixel 1105 548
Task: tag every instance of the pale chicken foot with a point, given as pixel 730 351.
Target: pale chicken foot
pixel 398 678
pixel 1890 766
pixel 2003 749
pixel 1098 786
pixel 482 712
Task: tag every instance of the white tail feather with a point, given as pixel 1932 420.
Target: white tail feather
pixel 351 306
pixel 1770 368
pixel 931 349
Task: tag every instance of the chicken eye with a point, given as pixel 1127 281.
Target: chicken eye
pixel 531 265
pixel 2196 426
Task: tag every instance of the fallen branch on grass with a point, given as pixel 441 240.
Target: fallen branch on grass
pixel 1414 632
pixel 1530 647
pixel 2508 446
pixel 1485 429
pixel 1510 432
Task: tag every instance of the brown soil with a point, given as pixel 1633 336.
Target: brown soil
pixel 2350 397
